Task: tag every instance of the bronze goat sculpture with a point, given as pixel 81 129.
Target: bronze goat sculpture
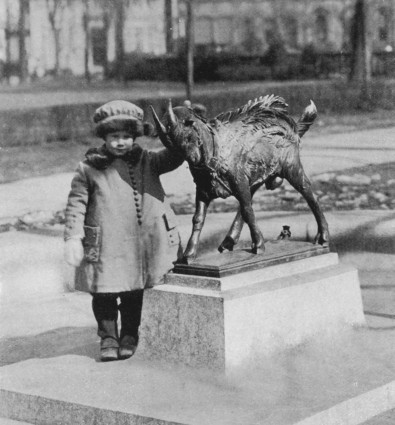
pixel 234 154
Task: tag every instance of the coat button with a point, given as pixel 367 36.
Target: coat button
pixel 138 209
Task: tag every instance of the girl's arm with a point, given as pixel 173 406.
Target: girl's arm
pixel 165 160
pixel 76 205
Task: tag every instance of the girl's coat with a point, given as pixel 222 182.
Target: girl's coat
pixel 129 229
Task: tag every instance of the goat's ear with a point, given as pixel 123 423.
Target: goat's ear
pixel 189 123
pixel 148 129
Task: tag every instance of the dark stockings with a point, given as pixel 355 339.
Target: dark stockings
pixel 105 308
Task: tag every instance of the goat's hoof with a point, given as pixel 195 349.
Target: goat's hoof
pixel 228 243
pixel 186 259
pixel 322 238
pixel 258 249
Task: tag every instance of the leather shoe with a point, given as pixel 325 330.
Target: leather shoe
pixel 108 349
pixel 127 347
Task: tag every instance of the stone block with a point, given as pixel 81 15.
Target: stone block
pixel 232 322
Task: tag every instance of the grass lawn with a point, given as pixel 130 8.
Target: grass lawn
pixel 22 162
pixel 57 157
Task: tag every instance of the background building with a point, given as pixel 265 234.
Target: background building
pixel 252 25
pixel 80 36
pixel 61 35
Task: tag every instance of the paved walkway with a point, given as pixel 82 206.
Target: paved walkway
pixel 319 154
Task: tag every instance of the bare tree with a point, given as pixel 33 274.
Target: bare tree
pixel 190 47
pixel 361 42
pixel 87 39
pixel 107 15
pixel 55 10
pixel 23 11
pixel 278 30
pixel 169 26
pixel 120 6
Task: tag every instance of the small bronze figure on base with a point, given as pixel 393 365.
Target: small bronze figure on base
pixel 285 233
pixel 237 152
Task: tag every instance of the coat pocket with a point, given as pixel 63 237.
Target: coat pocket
pixel 173 237
pixel 92 242
pixel 170 221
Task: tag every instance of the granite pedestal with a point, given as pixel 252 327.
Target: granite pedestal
pixel 229 311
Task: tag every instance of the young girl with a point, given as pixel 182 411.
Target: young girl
pixel 119 226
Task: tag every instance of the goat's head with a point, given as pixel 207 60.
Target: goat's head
pixel 183 130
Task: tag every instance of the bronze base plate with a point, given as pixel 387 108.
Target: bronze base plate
pixel 242 260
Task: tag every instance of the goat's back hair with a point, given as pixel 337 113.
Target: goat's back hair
pixel 252 106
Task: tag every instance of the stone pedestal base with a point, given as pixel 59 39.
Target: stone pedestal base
pixel 233 321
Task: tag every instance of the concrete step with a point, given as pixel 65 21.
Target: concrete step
pixel 342 380
pixel 5 421
pixel 386 418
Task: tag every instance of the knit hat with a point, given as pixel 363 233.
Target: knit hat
pixel 118 115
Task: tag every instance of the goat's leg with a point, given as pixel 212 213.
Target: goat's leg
pixel 298 179
pixel 198 219
pixel 241 191
pixel 234 232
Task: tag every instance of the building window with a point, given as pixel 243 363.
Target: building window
pixel 383 24
pixel 251 42
pixel 223 31
pixel 291 31
pixel 321 26
pixel 347 22
pixel 13 48
pixel 99 46
pixel 270 32
pixel 203 31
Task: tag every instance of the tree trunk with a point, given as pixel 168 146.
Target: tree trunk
pixel 52 12
pixel 119 43
pixel 190 44
pixel 87 41
pixel 361 39
pixel 169 26
pixel 106 26
pixel 23 66
pixel 57 52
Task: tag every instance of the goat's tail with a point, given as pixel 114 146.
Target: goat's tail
pixel 307 119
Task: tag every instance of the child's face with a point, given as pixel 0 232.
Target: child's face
pixel 119 142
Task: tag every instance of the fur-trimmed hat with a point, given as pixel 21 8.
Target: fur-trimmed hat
pixel 118 115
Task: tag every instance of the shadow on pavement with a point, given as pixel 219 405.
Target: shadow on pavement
pixel 54 343
pixel 364 238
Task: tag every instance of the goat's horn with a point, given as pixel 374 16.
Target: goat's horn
pixel 162 133
pixel 159 126
pixel 173 118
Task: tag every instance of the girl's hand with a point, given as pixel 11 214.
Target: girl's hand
pixel 73 251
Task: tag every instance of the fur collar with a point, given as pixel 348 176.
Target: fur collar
pixel 101 158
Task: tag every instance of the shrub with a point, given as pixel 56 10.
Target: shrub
pixel 243 72
pixel 308 63
pixel 142 66
pixel 206 67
